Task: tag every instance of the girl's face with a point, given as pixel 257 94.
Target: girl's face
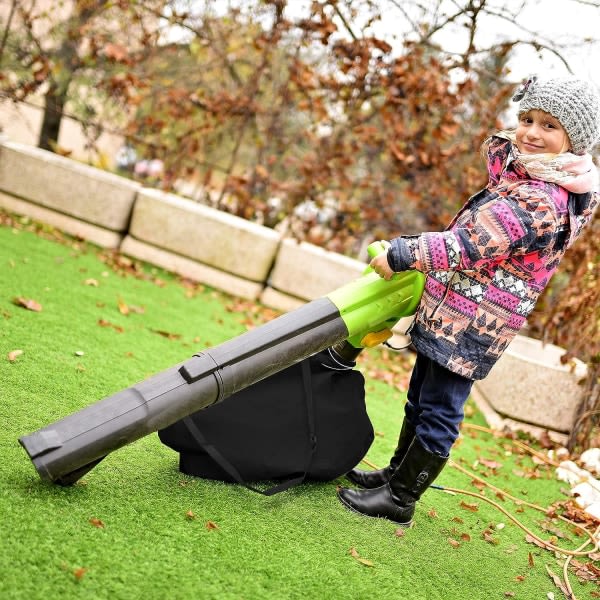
pixel 539 132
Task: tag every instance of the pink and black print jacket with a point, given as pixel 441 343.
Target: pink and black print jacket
pixel 486 271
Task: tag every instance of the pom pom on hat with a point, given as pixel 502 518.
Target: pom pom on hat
pixel 574 102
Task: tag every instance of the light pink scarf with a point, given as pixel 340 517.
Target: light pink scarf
pixel 577 174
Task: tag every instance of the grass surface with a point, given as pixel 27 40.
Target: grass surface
pixel 135 527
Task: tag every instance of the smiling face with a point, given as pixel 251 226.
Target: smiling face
pixel 539 132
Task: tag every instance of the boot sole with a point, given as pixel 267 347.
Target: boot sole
pixel 357 512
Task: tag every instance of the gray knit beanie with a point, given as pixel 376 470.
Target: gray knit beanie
pixel 574 102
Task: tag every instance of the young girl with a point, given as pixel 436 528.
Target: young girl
pixel 484 275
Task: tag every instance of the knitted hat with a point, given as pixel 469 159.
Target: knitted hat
pixel 574 102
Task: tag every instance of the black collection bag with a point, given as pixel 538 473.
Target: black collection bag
pixel 307 422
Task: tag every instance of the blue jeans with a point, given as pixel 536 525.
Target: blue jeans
pixel 435 403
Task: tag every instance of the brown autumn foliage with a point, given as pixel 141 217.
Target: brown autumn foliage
pixel 309 123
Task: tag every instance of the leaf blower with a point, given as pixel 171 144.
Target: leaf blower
pixel 353 317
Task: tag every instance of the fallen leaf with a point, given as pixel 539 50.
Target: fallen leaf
pixel 531 540
pixel 12 356
pixel 28 303
pixel 123 308
pixel 211 525
pixel 530 560
pixel 79 573
pixel 433 514
pixel 558 582
pixel 400 532
pixel 92 282
pixel 586 571
pixel 454 543
pixel 105 323
pixel 474 507
pixel 190 515
pixel 168 335
pixel 97 523
pixel 362 561
pixel 490 464
pixel 490 539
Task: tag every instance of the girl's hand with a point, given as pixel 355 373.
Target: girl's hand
pixel 380 265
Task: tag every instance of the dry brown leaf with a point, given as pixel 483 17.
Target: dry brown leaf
pixel 558 582
pixel 454 543
pixel 490 464
pixel 79 573
pixel 97 523
pixel 14 354
pixel 190 515
pixel 400 532
pixel 123 308
pixel 28 303
pixel 530 560
pixel 473 507
pixel 363 561
pixel 490 539
pixel 432 513
pixel 92 282
pixel 211 525
pixel 531 540
pixel 585 571
pixel 167 334
pixel 105 323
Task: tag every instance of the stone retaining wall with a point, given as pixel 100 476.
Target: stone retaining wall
pixel 79 199
pixel 178 234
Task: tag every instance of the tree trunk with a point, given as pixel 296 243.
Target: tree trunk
pixel 55 101
pixel 588 413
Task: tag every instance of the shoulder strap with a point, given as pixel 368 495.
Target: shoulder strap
pixel 214 453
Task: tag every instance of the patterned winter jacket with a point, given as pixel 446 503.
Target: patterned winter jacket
pixel 488 268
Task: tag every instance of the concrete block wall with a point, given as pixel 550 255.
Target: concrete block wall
pixel 201 243
pixel 175 233
pixel 79 199
pixel 529 384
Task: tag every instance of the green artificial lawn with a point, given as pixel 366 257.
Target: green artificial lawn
pixel 135 527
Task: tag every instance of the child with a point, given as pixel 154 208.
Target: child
pixel 484 275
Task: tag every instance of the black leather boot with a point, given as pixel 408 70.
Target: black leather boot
pixel 396 500
pixel 374 479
